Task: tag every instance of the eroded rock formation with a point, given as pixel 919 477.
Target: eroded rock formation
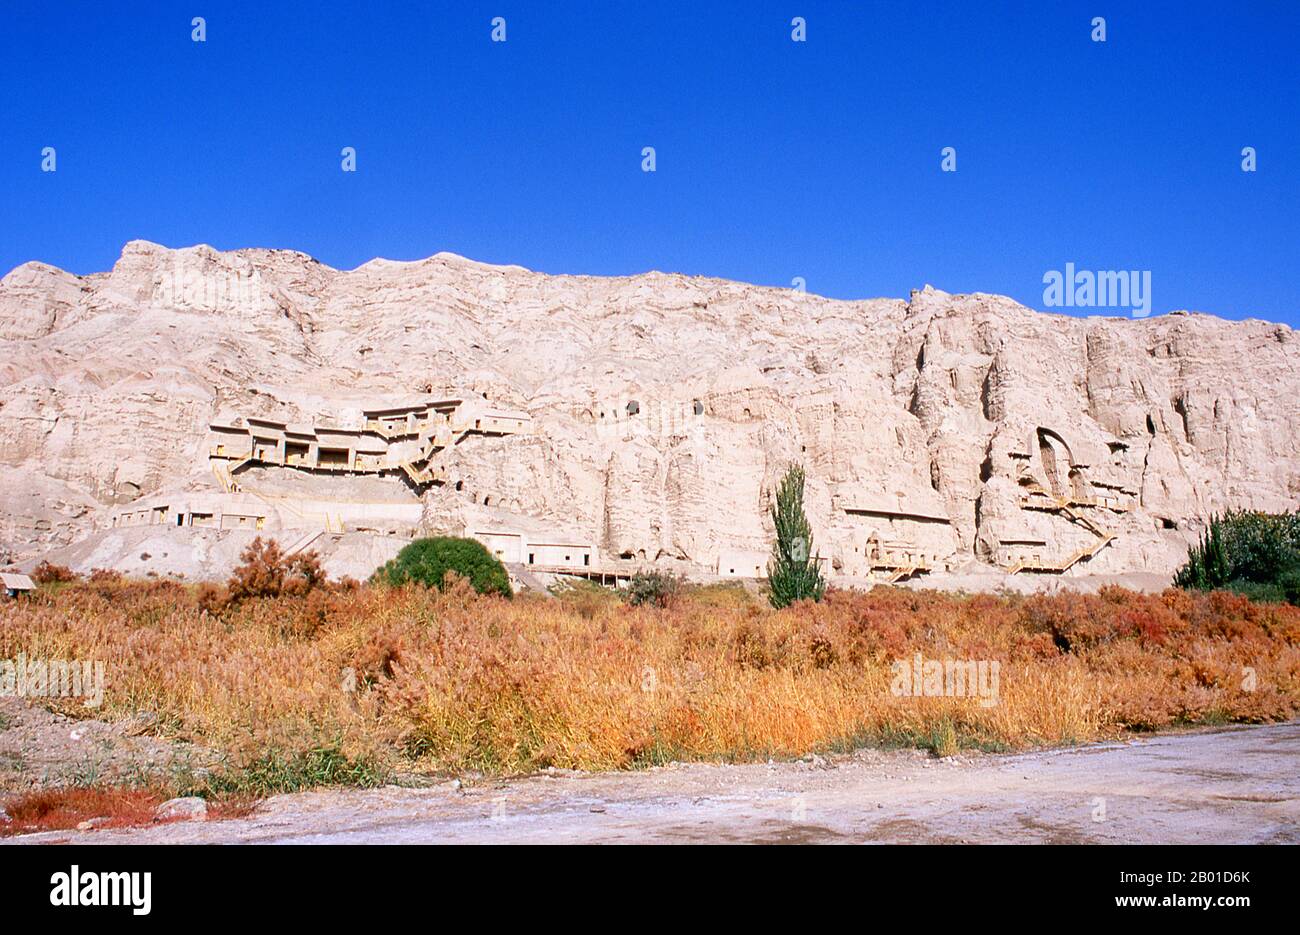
pixel 939 430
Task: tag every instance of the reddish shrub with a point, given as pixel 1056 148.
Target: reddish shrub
pixel 212 598
pixel 63 808
pixel 265 571
pixel 47 573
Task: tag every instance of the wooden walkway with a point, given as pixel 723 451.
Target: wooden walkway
pixel 1042 499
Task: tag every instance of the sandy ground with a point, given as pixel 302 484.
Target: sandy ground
pixel 1233 785
pixel 41 748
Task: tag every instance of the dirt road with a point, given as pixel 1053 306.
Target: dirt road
pixel 1234 785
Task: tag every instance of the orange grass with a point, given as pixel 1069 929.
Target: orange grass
pixel 457 682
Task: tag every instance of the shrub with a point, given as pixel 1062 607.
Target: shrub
pixel 47 573
pixel 105 581
pixel 1257 591
pixel 719 594
pixel 656 588
pixel 1255 554
pixel 427 561
pixel 211 598
pixel 1289 582
pixel 587 598
pixel 265 571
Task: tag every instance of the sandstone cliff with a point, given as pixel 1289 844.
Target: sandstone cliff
pixel 956 427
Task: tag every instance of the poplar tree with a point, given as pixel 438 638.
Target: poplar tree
pixel 792 573
pixel 1207 562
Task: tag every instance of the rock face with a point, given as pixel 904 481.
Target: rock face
pixel 936 432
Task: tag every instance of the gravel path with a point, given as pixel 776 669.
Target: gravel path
pixel 1231 785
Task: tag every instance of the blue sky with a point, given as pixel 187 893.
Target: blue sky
pixel 775 159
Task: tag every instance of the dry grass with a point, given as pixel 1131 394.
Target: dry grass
pixel 61 809
pixel 457 682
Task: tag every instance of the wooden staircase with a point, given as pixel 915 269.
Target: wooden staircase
pixel 224 480
pixel 1042 499
pixel 303 542
pixel 240 465
pixel 427 468
pixel 1079 555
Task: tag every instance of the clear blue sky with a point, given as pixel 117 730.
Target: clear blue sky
pixel 775 159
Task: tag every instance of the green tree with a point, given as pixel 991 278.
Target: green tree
pixel 1256 554
pixel 427 562
pixel 792 573
pixel 1207 564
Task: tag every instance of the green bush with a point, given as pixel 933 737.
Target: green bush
pixel 1257 591
pixel 1256 554
pixel 1289 582
pixel 427 561
pixel 652 587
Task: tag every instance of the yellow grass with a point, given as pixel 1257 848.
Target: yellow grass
pixel 457 682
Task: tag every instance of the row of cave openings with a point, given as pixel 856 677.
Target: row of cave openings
pixel 487 499
pixel 633 408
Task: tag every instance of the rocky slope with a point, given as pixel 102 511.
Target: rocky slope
pixel 923 422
